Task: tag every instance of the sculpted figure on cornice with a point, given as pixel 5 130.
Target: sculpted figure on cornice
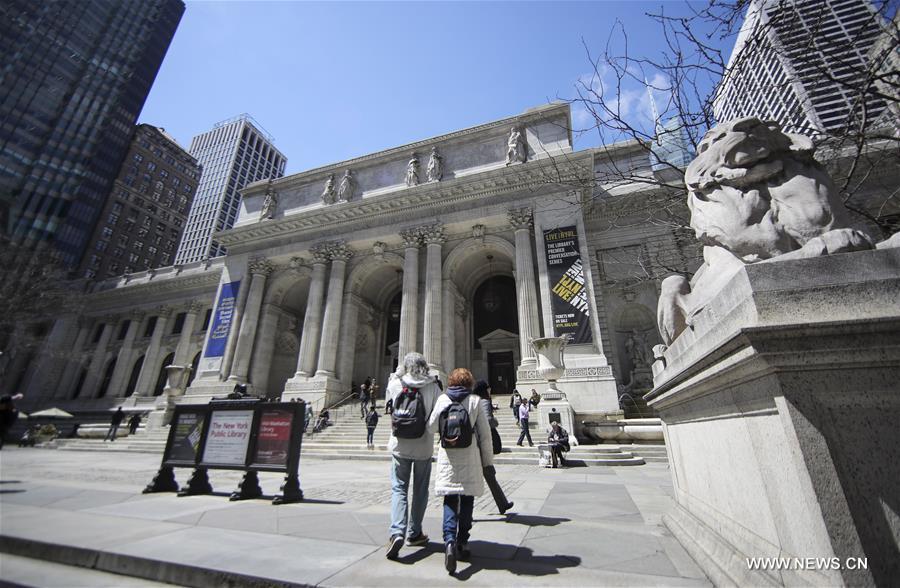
pixel 412 171
pixel 435 169
pixel 478 233
pixel 520 218
pixel 270 204
pixel 516 148
pixel 328 194
pixel 347 187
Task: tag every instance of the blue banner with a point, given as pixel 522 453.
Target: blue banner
pixel 221 324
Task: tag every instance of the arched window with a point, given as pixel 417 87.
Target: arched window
pixel 107 376
pixel 161 378
pixel 81 378
pixel 195 365
pixel 135 373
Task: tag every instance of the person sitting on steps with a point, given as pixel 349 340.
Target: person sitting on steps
pixel 559 443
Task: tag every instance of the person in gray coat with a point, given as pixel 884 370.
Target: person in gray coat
pixel 410 458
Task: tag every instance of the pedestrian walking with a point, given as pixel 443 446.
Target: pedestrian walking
pixel 373 393
pixel 133 423
pixel 371 423
pixel 364 398
pixel 412 394
pixel 117 418
pixel 524 411
pixel 464 453
pixel 483 391
pixel 514 401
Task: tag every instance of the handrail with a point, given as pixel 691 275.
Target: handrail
pixel 328 408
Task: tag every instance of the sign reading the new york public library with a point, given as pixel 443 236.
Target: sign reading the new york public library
pixel 568 295
pixel 228 437
pixel 221 323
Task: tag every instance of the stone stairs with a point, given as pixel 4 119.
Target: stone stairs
pixel 346 439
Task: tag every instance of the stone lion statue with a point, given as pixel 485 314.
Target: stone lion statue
pixel 755 194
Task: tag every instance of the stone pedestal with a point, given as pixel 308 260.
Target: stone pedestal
pixel 555 406
pixel 780 405
pixel 176 383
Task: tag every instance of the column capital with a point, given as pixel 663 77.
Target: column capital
pixel 260 266
pixel 411 238
pixel 520 218
pixel 338 251
pixel 433 234
pixel 193 307
pixel 163 311
pixel 134 315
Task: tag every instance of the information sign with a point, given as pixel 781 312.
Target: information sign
pixel 273 439
pixel 228 437
pixel 568 296
pixel 187 430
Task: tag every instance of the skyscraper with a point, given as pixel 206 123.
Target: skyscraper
pixel 233 154
pixel 804 63
pixel 74 78
pixel 145 215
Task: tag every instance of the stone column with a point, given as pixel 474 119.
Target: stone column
pixel 95 369
pixel 448 346
pixel 264 349
pixel 149 369
pixel 126 355
pixel 349 334
pixel 527 303
pixel 331 324
pixel 234 330
pixel 183 350
pixel 70 375
pixel 432 335
pixel 409 307
pixel 312 321
pixel 259 271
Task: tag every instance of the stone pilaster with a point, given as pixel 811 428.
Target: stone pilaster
pixel 448 346
pixel 98 359
pixel 529 326
pixel 149 369
pixel 259 271
pixel 409 307
pixel 125 359
pixel 331 323
pixel 349 333
pixel 312 322
pixel 433 236
pixel 73 366
pixel 264 349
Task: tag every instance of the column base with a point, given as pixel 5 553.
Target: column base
pixel 320 391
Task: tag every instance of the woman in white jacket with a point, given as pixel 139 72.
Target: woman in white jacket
pixel 459 470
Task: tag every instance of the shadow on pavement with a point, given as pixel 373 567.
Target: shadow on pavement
pixel 536 520
pixel 526 563
pixel 10 481
pixel 11 491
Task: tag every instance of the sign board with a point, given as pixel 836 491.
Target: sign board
pixel 273 438
pixel 568 292
pixel 185 434
pixel 221 321
pixel 228 437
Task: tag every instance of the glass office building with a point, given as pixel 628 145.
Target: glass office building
pixel 74 77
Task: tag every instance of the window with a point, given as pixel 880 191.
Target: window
pixel 151 250
pixel 141 233
pixel 107 232
pixel 164 260
pixel 137 246
pixel 133 258
pixel 117 207
pixel 123 329
pixel 179 323
pixel 138 157
pixel 206 319
pixel 98 331
pixel 118 251
pixel 163 174
pixel 151 326
pixel 95 261
pixel 112 219
pixel 101 245
pixel 113 269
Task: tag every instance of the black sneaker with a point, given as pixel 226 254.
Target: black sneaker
pixel 418 540
pixel 463 553
pixel 508 506
pixel 450 557
pixel 394 545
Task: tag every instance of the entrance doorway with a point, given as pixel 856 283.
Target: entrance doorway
pixel 501 372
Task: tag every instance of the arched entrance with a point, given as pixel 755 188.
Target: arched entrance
pixel 495 331
pixel 277 346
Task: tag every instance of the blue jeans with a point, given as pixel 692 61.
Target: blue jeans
pixel 401 471
pixel 458 518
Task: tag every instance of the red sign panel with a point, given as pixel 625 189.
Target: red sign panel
pixel 274 437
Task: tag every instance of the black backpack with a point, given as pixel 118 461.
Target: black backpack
pixel 408 420
pixel 455 427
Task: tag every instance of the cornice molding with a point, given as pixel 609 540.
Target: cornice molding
pixel 561 169
pixel 134 292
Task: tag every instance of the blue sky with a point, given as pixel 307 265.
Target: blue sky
pixel 336 80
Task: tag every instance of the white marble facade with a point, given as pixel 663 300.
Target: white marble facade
pixel 320 278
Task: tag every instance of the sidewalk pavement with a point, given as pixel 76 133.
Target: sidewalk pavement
pixel 580 526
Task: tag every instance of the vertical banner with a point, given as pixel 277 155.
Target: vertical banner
pixel 568 294
pixel 221 322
